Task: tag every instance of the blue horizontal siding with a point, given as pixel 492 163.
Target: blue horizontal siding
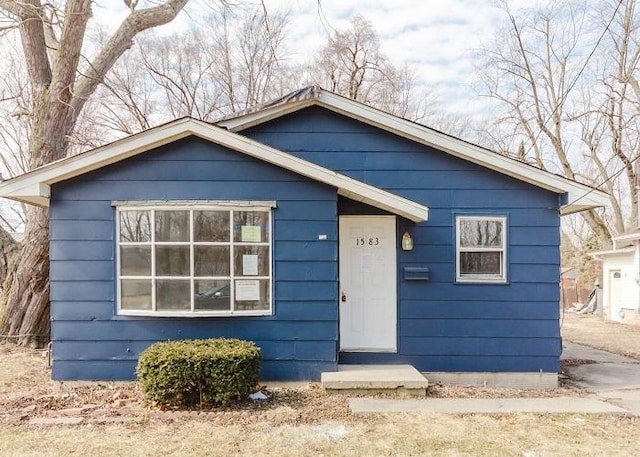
pixel 82 270
pixel 310 290
pixel 91 210
pixel 443 326
pixel 479 308
pixel 413 290
pixel 307 310
pixel 82 250
pixel 91 342
pixel 490 346
pixel 305 250
pixel 310 270
pixel 81 311
pixel 130 350
pixel 507 327
pixel 191 190
pixel 461 363
pixel 486 328
pixel 83 290
pixel 165 328
pixel 124 370
pixel 69 230
pixel 302 230
pixel 308 210
pixel 210 170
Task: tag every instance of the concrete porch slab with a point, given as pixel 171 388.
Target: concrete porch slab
pixel 354 379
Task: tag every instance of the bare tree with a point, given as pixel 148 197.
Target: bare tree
pixel 60 84
pixel 227 63
pixel 564 80
pixel 352 64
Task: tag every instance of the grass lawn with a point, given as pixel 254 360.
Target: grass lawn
pixel 610 336
pixel 117 422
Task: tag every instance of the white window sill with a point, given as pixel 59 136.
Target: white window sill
pixel 481 281
pixel 195 314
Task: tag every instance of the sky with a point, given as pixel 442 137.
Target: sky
pixel 437 38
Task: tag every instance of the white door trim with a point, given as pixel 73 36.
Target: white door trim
pixel 368 282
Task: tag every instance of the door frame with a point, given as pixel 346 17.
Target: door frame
pixel 390 350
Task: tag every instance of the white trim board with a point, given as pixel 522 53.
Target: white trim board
pixel 580 197
pixel 34 187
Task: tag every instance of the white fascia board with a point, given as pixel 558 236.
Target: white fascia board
pixel 579 196
pixel 92 160
pixel 33 187
pixel 245 121
pixel 608 252
pixel 627 237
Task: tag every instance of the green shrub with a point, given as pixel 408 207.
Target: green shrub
pixel 206 372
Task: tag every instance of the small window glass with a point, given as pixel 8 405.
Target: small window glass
pixel 480 249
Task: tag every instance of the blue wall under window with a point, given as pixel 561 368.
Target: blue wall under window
pixel 91 342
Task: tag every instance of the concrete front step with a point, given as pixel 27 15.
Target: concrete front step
pixel 361 379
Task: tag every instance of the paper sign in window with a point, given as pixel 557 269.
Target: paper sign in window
pixel 247 290
pixel 250 234
pixel 249 265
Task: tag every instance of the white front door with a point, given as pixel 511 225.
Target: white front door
pixel 368 283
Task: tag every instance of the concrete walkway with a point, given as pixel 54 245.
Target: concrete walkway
pixel 555 405
pixel 612 380
pixel 610 377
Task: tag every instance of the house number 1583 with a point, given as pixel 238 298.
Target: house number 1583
pixel 369 241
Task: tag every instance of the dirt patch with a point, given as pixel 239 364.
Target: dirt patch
pixel 39 417
pixel 593 331
pixel 30 394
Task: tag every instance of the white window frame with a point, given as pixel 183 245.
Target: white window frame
pixel 231 207
pixel 482 278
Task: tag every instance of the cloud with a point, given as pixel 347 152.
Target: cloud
pixel 435 37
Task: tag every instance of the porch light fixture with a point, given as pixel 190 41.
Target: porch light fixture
pixel 407 242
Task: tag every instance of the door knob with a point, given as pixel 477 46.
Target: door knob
pixel 343 297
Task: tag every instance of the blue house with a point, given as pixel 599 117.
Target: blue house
pixel 324 230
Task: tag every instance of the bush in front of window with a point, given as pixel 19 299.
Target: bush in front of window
pixel 206 372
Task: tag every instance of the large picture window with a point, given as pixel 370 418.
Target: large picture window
pixel 481 249
pixel 204 260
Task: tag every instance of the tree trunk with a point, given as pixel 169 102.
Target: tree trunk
pixel 59 95
pixel 25 301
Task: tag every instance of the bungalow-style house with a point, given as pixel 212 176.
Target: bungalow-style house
pixel 621 278
pixel 322 229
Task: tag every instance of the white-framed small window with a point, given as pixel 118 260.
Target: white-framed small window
pixel 481 248
pixel 204 260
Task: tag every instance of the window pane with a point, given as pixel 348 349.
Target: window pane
pixel 211 226
pixel 251 260
pixel 135 226
pixel 251 226
pixel 211 260
pixel 172 225
pixel 479 233
pixel 251 294
pixel 173 295
pixel 172 261
pixel 135 260
pixel 136 294
pixel 212 295
pixel 481 263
